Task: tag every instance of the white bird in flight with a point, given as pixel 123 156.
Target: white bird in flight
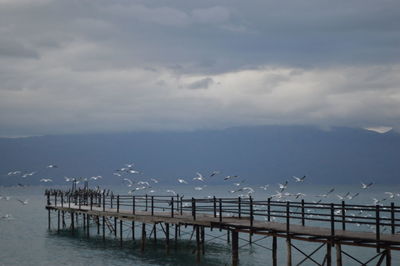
pixel 230 176
pixel 182 181
pixel 24 202
pixel 45 180
pixel 171 191
pixel 365 186
pixel 28 174
pixel 282 187
pixel 299 179
pixel 199 177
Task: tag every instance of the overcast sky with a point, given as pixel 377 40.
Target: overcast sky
pixel 79 66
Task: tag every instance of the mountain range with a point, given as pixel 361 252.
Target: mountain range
pixel 258 154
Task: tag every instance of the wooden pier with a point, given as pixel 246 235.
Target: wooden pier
pixel 330 225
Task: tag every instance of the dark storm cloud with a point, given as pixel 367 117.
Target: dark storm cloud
pixel 78 66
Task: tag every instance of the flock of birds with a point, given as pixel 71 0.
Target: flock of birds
pixel 136 182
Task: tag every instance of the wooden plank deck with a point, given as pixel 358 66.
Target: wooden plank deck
pixel 208 220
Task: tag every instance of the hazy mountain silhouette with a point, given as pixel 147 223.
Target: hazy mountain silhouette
pixel 264 154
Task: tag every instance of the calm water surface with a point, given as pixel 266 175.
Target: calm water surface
pixel 25 240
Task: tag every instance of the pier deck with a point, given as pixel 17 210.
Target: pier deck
pixel 328 224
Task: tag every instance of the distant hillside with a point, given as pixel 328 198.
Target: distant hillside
pixel 265 154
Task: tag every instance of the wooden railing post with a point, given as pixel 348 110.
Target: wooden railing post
pixel 172 207
pixel 111 201
pixel 220 210
pixel 287 217
pixel 55 199
pixel 177 202
pixel 79 200
pixel 48 199
pixel 133 205
pixel 146 202
pixel 302 213
pixel 215 207
pixel 343 215
pixel 91 201
pixel 69 201
pixel 104 201
pixel 62 199
pixel 240 207
pixel 377 228
pixel 181 203
pixel 251 212
pixel 152 205
pixel 194 208
pixel 332 222
pixel 269 210
pixel 392 218
pixel 117 203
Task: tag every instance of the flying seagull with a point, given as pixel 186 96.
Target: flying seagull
pixel 24 202
pixel 299 179
pixel 214 173
pixel 182 181
pixel 199 177
pixel 230 176
pixel 365 186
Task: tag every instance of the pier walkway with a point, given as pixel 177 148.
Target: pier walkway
pixel 331 225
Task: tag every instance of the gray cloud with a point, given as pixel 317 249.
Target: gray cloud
pixel 87 66
pixel 201 84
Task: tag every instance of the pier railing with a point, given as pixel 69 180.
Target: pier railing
pixel 378 218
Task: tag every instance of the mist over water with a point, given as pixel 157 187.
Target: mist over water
pixel 25 239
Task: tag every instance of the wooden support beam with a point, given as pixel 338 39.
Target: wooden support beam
pixel 203 250
pixel 274 251
pixel 289 251
pixel 133 230
pixel 176 234
pixel 388 257
pixel 328 254
pixel 143 237
pixel 98 225
pixel 104 228
pixel 167 237
pixel 235 248
pixel 228 239
pixel 197 243
pixel 115 226
pixel 49 219
pixel 72 222
pixel 58 221
pixel 120 232
pixel 87 225
pixel 155 232
pixel 338 254
pixel 63 219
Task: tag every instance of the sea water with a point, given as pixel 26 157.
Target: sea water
pixel 26 240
